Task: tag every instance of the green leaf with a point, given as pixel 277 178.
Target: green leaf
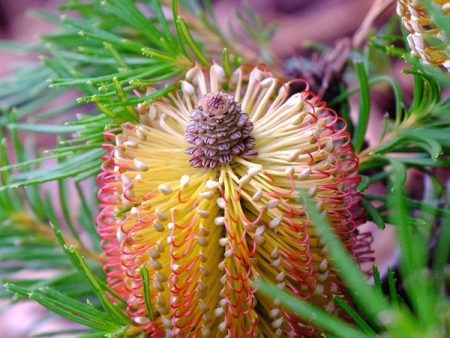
pixel 376 278
pixel 79 263
pixel 226 62
pixel 44 128
pixel 114 311
pixel 86 217
pixel 74 165
pixel 364 106
pixel 87 30
pixel 66 307
pixel 186 35
pixel 414 249
pixel 373 303
pixel 163 23
pixel 355 316
pixel 63 194
pixel 442 251
pixel 131 15
pixel 408 138
pixel 146 291
pixel 309 312
pixel 59 333
pixel 397 94
pixel 373 213
pixel 129 113
pixel 392 288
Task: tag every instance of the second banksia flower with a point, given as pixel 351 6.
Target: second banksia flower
pixel 425 38
pixel 204 192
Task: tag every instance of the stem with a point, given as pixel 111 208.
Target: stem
pixel 365 154
pixel 378 7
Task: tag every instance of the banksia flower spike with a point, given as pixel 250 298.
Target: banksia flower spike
pixel 421 29
pixel 204 193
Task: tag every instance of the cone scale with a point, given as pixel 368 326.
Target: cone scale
pixel 205 219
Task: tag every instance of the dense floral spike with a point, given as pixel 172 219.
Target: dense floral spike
pixel 425 38
pixel 204 233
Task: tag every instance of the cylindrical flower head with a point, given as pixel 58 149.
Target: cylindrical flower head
pixel 204 193
pixel 426 40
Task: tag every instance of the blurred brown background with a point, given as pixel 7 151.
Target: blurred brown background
pixel 297 20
